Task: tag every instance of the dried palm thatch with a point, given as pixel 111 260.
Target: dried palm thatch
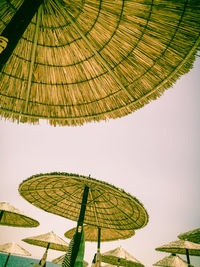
pixel 171 261
pixel 91 234
pixel 60 259
pixel 81 61
pixel 10 216
pixel 50 240
pixel 120 257
pixel 107 206
pixel 193 236
pixel 14 248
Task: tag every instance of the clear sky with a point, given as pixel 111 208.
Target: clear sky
pixel 153 154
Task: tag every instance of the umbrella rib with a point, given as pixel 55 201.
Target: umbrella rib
pixel 97 54
pixel 33 53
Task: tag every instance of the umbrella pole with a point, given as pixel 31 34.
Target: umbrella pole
pixel 99 239
pixel 1 215
pixel 44 258
pixel 188 257
pixel 7 259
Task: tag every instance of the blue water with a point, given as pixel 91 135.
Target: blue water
pixel 16 261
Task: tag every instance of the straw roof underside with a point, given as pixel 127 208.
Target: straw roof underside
pixel 60 259
pixel 107 206
pixel 51 238
pixel 14 248
pixel 171 261
pixel 121 257
pixel 180 246
pixel 10 216
pixel 193 236
pixel 91 234
pixel 96 60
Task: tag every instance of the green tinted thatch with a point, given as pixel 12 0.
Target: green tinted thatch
pixel 81 61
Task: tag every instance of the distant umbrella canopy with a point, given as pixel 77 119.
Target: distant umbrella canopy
pixel 10 216
pixel 193 236
pixel 60 259
pixel 107 206
pixel 14 248
pixel 171 261
pixel 72 62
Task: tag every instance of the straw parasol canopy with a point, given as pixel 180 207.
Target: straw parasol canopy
pixel 10 216
pixel 60 259
pixel 14 248
pixel 107 206
pixel 120 257
pixel 171 261
pixel 51 239
pixel 72 62
pixel 91 234
pixel 193 236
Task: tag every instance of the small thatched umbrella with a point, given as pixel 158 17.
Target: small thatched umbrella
pixel 120 257
pixel 72 62
pixel 13 248
pixel 10 216
pixel 60 259
pixel 49 241
pixel 181 247
pixel 193 236
pixel 84 199
pixel 171 261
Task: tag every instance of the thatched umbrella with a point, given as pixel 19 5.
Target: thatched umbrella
pixel 49 241
pixel 13 248
pixel 10 216
pixel 120 257
pixel 60 259
pixel 84 199
pixel 193 236
pixel 72 62
pixel 181 247
pixel 171 261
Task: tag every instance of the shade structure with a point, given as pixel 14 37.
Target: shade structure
pixel 120 257
pixel 11 216
pixel 91 234
pixel 72 62
pixel 193 236
pixel 107 206
pixel 171 261
pixel 60 259
pixel 51 239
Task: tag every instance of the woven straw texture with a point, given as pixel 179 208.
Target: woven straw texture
pixel 91 234
pixel 11 216
pixel 120 257
pixel 81 61
pixel 51 238
pixel 14 248
pixel 180 247
pixel 171 261
pixel 60 259
pixel 107 206
pixel 193 236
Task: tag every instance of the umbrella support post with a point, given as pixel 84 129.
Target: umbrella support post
pixel 44 258
pixel 188 257
pixel 7 260
pixel 1 215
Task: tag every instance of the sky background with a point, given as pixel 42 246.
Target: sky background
pixel 153 154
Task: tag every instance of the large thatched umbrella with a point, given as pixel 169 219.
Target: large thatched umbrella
pixel 193 236
pixel 60 259
pixel 120 257
pixel 181 247
pixel 49 241
pixel 72 62
pixel 13 248
pixel 10 216
pixel 84 199
pixel 171 261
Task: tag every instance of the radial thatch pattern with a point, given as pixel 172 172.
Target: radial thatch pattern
pixel 14 248
pixel 51 239
pixel 81 61
pixel 193 236
pixel 172 261
pixel 10 216
pixel 107 206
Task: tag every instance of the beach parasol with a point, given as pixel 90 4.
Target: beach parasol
pixel 10 216
pixel 171 261
pixel 193 236
pixel 84 199
pixel 181 247
pixel 13 248
pixel 60 259
pixel 49 241
pixel 120 257
pixel 72 62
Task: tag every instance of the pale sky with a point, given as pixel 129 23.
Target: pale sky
pixel 153 154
